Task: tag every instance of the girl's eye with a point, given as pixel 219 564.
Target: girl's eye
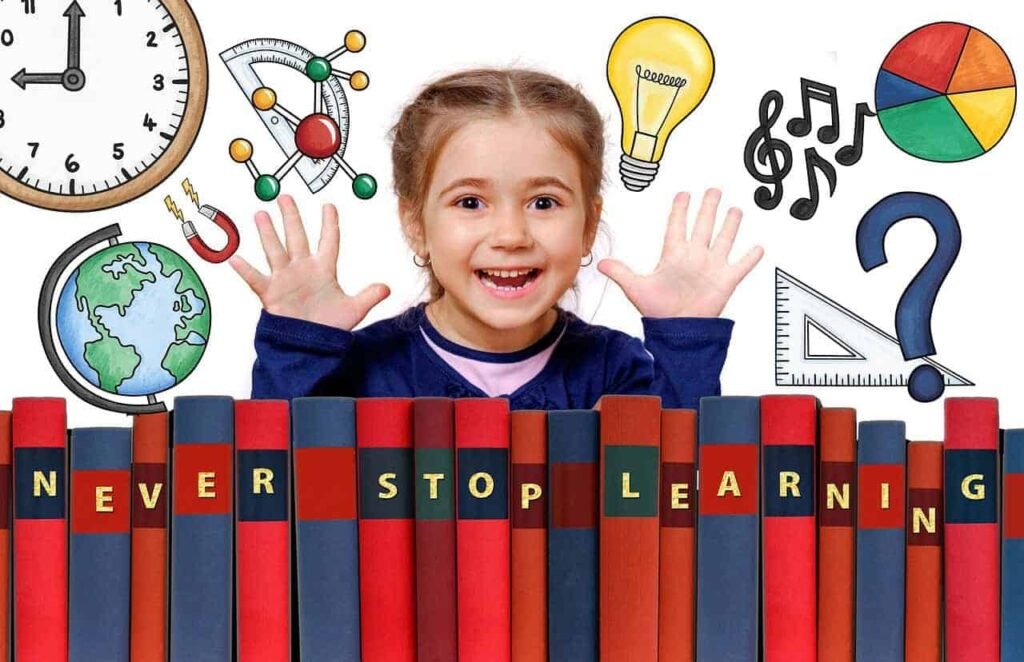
pixel 545 202
pixel 468 202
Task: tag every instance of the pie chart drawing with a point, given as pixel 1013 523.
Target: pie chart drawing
pixel 946 93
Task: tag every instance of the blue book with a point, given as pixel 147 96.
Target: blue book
pixel 728 521
pixel 881 540
pixel 99 570
pixel 1012 612
pixel 326 537
pixel 202 526
pixel 573 443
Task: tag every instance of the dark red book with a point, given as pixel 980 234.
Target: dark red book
pixel 40 530
pixel 436 606
pixel 482 529
pixel 677 586
pixel 529 536
pixel 263 530
pixel 924 552
pixel 5 535
pixel 789 435
pixel 150 436
pixel 629 533
pixel 387 551
pixel 837 540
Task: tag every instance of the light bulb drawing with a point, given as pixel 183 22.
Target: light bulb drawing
pixel 313 145
pixel 659 69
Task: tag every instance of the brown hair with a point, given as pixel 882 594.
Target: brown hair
pixel 447 104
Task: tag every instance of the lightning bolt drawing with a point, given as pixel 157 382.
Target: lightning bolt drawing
pixel 173 208
pixel 190 192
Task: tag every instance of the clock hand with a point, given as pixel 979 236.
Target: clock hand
pixel 74 13
pixel 21 79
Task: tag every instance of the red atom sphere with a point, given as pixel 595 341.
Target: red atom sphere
pixel 317 136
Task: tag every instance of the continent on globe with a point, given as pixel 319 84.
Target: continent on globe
pixel 133 319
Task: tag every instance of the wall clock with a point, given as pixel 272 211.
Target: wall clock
pixel 100 100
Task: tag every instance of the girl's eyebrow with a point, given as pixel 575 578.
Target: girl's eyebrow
pixel 470 182
pixel 538 182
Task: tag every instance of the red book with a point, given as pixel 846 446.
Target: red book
pixel 677 583
pixel 150 434
pixel 436 607
pixel 971 467
pixel 263 530
pixel 387 543
pixel 789 434
pixel 837 539
pixel 924 552
pixel 5 535
pixel 40 530
pixel 529 536
pixel 629 534
pixel 482 529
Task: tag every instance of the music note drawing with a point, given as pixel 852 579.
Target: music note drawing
pixel 804 208
pixel 814 91
pixel 768 151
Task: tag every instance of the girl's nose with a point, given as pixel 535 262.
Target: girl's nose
pixel 510 229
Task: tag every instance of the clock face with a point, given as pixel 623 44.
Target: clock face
pixel 93 95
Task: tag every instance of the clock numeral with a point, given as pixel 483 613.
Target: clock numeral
pixel 117 3
pixel 3 120
pixel 30 6
pixel 118 151
pixel 148 122
pixel 151 39
pixel 6 37
pixel 158 82
pixel 35 148
pixel 71 164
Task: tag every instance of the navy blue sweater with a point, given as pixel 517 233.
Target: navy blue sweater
pixel 680 360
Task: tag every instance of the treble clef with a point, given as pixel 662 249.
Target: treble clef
pixel 768 150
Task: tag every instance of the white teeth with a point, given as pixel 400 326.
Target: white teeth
pixel 505 273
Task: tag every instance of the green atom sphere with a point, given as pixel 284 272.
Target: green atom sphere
pixel 267 187
pixel 318 69
pixel 364 186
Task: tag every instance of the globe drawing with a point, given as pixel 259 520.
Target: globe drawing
pixel 132 319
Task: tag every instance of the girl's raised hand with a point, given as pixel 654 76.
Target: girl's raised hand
pixel 301 284
pixel 694 277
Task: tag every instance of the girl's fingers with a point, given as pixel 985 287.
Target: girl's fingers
pixel 675 232
pixel 272 248
pixel 256 281
pixel 747 263
pixel 705 224
pixel 623 276
pixel 294 233
pixel 330 237
pixel 722 244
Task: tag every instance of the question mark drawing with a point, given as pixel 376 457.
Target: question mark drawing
pixel 914 311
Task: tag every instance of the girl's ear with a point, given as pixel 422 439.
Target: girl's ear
pixel 412 227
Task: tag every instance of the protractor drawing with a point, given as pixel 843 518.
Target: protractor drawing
pixel 819 342
pixel 946 92
pixel 313 144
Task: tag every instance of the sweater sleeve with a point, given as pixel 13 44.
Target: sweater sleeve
pixel 680 359
pixel 296 358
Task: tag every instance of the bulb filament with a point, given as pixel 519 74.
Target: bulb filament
pixel 660 79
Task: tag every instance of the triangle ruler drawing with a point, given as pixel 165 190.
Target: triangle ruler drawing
pixel 818 342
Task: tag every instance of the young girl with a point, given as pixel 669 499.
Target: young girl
pixel 498 175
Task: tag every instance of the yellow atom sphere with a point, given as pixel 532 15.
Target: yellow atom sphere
pixel 241 150
pixel 359 80
pixel 264 98
pixel 355 41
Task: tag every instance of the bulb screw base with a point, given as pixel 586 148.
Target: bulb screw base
pixel 636 174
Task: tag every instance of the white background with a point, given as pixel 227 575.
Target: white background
pixel 760 46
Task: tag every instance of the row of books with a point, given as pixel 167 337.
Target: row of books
pixel 434 529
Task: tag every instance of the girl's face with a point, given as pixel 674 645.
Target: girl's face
pixel 504 222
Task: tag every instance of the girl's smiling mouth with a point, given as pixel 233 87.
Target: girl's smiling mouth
pixel 509 283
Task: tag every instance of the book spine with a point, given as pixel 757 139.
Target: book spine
pixel 629 547
pixel 573 451
pixel 729 432
pixel 1012 637
pixel 881 544
pixel 100 558
pixel 202 544
pixel 150 445
pixel 5 535
pixel 39 439
pixel 326 534
pixel 972 529
pixel 789 434
pixel 436 607
pixel 529 494
pixel 924 552
pixel 263 530
pixel 837 540
pixel 482 529
pixel 387 552
pixel 677 587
